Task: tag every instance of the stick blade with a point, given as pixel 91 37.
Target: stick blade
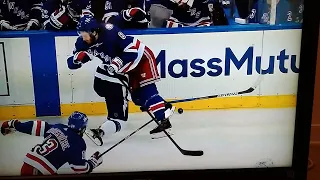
pixel 192 153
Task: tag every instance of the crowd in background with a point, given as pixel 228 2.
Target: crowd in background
pixel 57 15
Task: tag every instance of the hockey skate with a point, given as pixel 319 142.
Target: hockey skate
pixel 163 125
pixel 95 135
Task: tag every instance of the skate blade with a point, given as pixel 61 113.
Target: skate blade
pixel 96 141
pixel 161 134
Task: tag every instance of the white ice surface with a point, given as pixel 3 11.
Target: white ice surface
pixel 229 138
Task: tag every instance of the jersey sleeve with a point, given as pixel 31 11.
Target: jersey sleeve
pixel 35 128
pixel 4 20
pixel 78 162
pixel 80 45
pixel 36 9
pixel 130 49
pixel 254 14
pixel 112 11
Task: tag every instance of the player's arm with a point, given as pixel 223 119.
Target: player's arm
pixel 111 13
pixel 129 49
pixel 5 24
pixel 134 14
pixel 35 128
pixel 78 162
pixel 35 15
pixel 253 17
pixel 55 14
pixel 79 55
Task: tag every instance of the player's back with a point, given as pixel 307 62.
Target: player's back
pixel 197 13
pixel 17 12
pixel 61 145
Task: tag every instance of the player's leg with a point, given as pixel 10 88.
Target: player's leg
pixel 148 97
pixel 116 98
pixel 145 93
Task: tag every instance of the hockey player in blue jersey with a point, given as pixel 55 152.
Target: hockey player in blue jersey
pixel 196 15
pixel 126 58
pixel 63 14
pixel 20 15
pixel 287 12
pixel 62 144
pixel 125 14
pixel 183 13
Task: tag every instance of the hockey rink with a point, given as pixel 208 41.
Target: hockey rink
pixel 237 138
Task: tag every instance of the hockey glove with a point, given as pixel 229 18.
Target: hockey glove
pixel 81 57
pixel 188 3
pixel 135 14
pixel 8 127
pixel 59 18
pixel 95 160
pixel 114 66
pixel 33 24
pixel 5 26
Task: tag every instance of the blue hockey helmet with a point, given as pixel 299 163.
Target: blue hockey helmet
pixel 78 121
pixel 87 23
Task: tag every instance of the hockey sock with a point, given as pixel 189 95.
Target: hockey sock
pixel 157 106
pixel 111 126
pixel 149 97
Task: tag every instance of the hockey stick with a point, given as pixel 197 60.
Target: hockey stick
pixel 89 136
pixel 125 138
pixel 249 90
pixel 183 151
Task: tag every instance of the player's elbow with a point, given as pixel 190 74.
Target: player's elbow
pixel 71 64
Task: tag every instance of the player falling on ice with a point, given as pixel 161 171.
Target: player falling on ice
pixel 62 144
pixel 123 57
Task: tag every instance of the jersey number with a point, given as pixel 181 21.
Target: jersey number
pixel 46 147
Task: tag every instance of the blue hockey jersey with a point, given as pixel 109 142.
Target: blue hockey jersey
pixel 73 10
pixel 112 46
pixel 286 12
pixel 193 16
pixel 18 13
pixel 113 13
pixel 61 145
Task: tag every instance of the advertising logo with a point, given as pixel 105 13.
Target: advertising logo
pixel 213 67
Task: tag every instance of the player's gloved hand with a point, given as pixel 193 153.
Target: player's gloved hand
pixel 115 65
pixel 59 18
pixel 33 24
pixel 81 57
pixel 5 26
pixel 8 127
pixel 111 69
pixel 95 160
pixel 183 3
pixel 135 14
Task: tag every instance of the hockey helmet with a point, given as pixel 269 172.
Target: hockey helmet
pixel 87 23
pixel 78 121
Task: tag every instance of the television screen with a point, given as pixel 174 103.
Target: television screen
pixel 133 86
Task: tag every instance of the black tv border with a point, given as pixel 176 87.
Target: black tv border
pixel 298 171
